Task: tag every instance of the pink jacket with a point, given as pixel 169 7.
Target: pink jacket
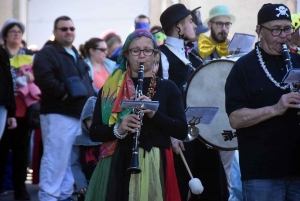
pixel 30 93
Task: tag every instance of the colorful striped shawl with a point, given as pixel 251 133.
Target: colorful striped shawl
pixel 118 86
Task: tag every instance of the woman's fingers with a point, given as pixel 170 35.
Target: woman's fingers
pixel 130 123
pixel 149 113
pixel 144 98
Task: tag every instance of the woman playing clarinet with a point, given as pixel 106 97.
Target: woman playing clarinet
pixel 116 127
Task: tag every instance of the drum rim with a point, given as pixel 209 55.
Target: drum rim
pixel 194 73
pixel 215 146
pixel 185 96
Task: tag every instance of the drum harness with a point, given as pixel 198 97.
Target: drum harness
pixel 185 61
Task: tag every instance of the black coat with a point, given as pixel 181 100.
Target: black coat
pixel 6 84
pixel 48 66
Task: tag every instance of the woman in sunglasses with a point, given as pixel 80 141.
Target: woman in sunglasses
pixel 95 52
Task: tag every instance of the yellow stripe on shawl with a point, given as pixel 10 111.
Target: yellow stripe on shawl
pixel 114 116
pixel 110 91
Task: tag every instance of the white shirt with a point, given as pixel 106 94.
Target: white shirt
pixel 178 44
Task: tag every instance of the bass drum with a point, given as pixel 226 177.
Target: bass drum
pixel 205 88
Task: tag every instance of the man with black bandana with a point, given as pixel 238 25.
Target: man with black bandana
pixel 205 164
pixel 264 112
pixel 219 23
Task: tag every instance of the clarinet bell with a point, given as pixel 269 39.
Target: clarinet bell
pixel 134 165
pixel 134 170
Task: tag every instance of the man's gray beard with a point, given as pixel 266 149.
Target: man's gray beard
pixel 214 36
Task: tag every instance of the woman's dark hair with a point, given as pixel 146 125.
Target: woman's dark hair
pixel 90 44
pixel 81 51
pixel 24 43
pixel 159 72
pixel 5 31
pixel 111 39
pixel 155 29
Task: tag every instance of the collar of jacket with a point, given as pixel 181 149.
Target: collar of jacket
pixel 60 48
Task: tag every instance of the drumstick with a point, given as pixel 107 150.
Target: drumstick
pixel 185 163
pixel 194 184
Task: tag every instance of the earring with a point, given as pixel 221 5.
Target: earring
pixel 126 64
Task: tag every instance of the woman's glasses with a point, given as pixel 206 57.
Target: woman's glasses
pixel 101 49
pixel 136 52
pixel 64 29
pixel 15 32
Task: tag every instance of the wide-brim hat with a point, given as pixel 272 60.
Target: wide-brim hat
pixel 9 22
pixel 201 28
pixel 219 10
pixel 173 14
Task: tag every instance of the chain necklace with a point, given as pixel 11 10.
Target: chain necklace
pixel 262 63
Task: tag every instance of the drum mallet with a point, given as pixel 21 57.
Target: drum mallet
pixel 194 184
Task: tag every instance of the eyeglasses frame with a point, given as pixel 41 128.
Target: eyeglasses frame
pixel 153 50
pixel 64 29
pixel 271 30
pixel 223 24
pixel 101 49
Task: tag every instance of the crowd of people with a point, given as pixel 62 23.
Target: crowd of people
pixel 74 97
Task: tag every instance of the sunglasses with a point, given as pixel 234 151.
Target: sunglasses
pixel 66 29
pixel 101 49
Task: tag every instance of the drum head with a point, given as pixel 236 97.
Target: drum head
pixel 205 88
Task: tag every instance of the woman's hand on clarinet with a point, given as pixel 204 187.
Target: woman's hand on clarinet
pixel 149 113
pixel 129 123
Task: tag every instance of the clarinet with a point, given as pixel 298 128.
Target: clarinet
pixel 287 59
pixel 134 165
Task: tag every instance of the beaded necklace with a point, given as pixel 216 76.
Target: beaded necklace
pixel 152 86
pixel 262 64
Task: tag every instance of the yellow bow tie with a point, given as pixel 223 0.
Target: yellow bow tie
pixel 206 47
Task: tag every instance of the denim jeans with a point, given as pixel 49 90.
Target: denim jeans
pixel 3 113
pixel 235 180
pixel 284 189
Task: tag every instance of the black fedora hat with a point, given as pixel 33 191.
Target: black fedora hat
pixel 173 14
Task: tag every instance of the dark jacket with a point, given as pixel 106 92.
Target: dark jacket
pixel 52 66
pixel 6 85
pixel 178 71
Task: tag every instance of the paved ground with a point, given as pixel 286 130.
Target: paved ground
pixel 32 190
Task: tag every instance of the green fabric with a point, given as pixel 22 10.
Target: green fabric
pixel 98 184
pixel 117 87
pixel 147 185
